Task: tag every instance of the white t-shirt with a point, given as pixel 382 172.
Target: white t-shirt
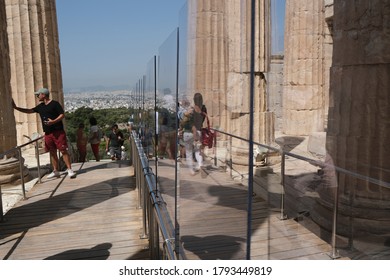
pixel 92 130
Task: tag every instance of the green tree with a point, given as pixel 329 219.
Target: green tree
pixel 105 119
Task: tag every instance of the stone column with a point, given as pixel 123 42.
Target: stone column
pixel 359 127
pixel 7 120
pixel 305 75
pixel 9 165
pixel 35 58
pixel 222 68
pixel 209 40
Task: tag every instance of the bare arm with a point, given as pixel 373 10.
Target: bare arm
pixel 23 110
pixel 195 133
pixel 107 142
pixel 56 120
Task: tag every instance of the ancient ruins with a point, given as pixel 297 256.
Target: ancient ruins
pixel 30 49
pixel 332 84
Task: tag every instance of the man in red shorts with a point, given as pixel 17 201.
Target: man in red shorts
pixel 51 113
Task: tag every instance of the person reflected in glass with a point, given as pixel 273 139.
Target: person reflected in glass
pixel 191 127
pixel 163 137
pixel 183 107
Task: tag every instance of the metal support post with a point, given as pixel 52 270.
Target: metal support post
pixel 1 207
pixel 283 167
pixel 38 161
pixel 21 167
pixel 335 254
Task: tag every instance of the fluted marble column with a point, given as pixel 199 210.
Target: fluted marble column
pixel 221 66
pixel 359 128
pixel 208 43
pixel 35 57
pixel 7 120
pixel 9 164
pixel 304 96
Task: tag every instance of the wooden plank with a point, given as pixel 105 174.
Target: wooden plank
pixel 213 221
pixel 94 216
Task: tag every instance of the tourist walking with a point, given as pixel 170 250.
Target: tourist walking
pixel 191 125
pixel 114 142
pixel 95 137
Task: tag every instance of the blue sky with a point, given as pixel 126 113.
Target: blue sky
pixel 110 42
pixel 277 20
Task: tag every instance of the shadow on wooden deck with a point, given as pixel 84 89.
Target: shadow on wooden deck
pixel 93 216
pixel 212 212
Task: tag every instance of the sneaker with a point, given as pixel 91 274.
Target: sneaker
pixel 194 171
pixel 71 173
pixel 53 174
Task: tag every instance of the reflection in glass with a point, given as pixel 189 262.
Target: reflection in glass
pixel 167 125
pixel 319 128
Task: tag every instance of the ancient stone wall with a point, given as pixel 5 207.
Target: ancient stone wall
pixel 35 58
pixel 359 113
pixel 305 68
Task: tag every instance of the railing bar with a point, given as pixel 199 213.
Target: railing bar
pixel 21 169
pixel 316 162
pixel 1 207
pixel 15 149
pixel 157 202
pixel 18 149
pixel 38 162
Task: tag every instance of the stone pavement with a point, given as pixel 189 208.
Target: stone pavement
pixel 11 194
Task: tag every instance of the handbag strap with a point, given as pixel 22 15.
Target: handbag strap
pixel 207 119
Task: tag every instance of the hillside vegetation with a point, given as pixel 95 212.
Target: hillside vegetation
pixel 105 119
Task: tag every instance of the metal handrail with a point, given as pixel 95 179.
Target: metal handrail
pixel 314 162
pixel 18 150
pixel 321 164
pixel 156 218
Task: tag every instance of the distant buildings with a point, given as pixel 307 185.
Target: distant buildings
pixel 97 100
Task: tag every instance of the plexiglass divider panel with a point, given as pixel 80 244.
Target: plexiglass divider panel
pixel 288 163
pixel 213 204
pixel 149 109
pixel 169 184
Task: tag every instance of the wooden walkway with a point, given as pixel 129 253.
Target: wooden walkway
pixel 95 216
pixel 212 213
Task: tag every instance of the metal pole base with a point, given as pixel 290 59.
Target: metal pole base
pixel 283 217
pixel 143 236
pixel 334 255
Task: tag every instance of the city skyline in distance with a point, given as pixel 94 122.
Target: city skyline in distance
pixel 95 88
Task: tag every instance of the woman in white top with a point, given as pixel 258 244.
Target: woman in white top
pixel 94 137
